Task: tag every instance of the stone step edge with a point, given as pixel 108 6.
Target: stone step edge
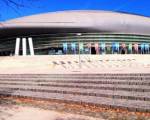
pixel 87 74
pixel 78 93
pixel 135 109
pixel 14 82
pixel 92 87
pixel 76 77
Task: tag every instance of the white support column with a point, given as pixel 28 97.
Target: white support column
pixel 31 46
pixel 24 47
pixel 17 46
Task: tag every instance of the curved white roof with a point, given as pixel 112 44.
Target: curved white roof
pixel 102 21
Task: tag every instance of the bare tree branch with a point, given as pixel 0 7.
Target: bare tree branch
pixel 18 4
pixel 15 3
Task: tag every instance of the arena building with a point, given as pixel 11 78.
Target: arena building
pixel 75 32
pixel 48 58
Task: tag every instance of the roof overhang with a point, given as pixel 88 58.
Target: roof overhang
pixel 76 21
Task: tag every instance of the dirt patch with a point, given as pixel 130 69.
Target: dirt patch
pixel 18 112
pixel 28 109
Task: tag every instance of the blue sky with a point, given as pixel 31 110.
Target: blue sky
pixel 141 7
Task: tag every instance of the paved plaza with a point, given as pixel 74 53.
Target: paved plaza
pixel 61 64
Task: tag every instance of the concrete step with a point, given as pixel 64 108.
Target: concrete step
pixel 76 75
pixel 101 81
pixel 129 91
pixel 145 96
pixel 73 78
pixel 134 105
pixel 140 88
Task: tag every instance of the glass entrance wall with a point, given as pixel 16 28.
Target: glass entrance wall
pixel 94 43
pixel 100 48
pixel 83 43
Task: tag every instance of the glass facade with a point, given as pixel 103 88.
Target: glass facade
pixel 101 48
pixel 95 43
pixel 85 43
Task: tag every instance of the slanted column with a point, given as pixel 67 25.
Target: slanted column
pixel 24 47
pixel 17 46
pixel 31 46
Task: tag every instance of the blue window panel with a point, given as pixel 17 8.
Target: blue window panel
pixel 103 46
pixel 65 47
pixel 146 46
pixel 73 47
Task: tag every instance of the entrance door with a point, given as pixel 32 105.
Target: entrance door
pixel 123 48
pixel 123 51
pixel 93 51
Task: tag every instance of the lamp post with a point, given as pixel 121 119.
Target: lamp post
pixel 79 34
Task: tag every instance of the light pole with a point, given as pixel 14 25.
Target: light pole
pixel 79 34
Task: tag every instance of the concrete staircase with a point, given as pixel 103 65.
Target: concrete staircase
pixel 126 91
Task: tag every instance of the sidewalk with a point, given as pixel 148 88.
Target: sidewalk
pixel 70 64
